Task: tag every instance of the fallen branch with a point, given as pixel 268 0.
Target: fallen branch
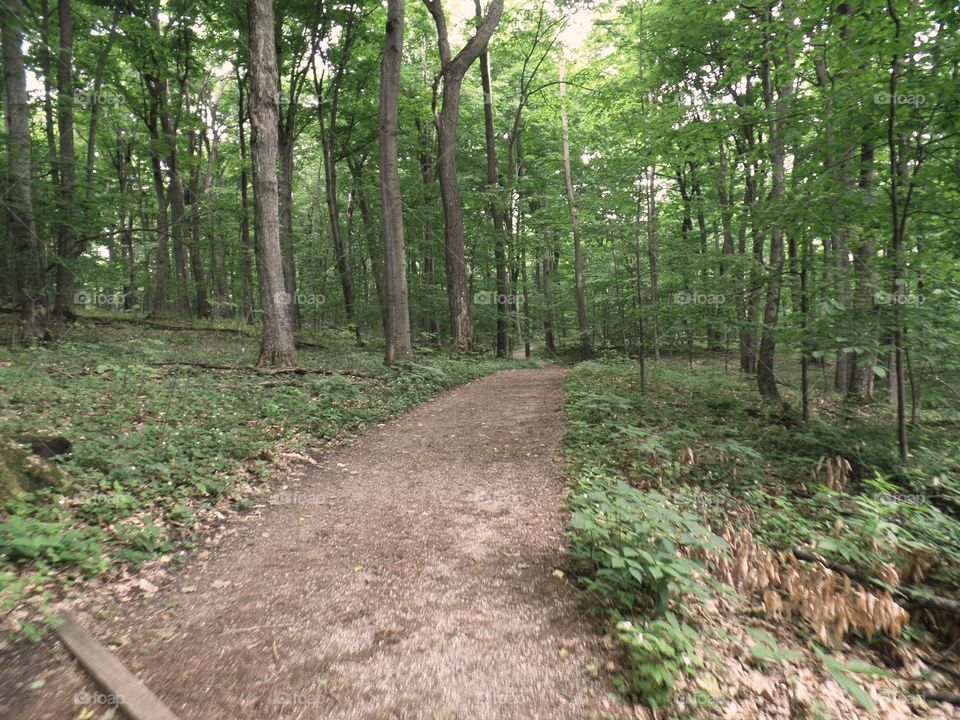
pixel 905 597
pixel 277 371
pixel 174 327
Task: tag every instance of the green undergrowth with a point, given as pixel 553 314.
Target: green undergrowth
pixel 659 475
pixel 152 444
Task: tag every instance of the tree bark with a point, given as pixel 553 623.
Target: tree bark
pixel 898 230
pixel 766 378
pixel 30 299
pixel 67 244
pixel 574 224
pixel 246 286
pixel 494 208
pixel 396 307
pixel 276 342
pixel 286 145
pixel 452 71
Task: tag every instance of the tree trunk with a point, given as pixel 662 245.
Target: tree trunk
pixel 67 244
pixel 286 145
pixel 652 260
pixel 246 286
pixel 496 212
pixel 30 301
pixel 574 224
pixel 276 342
pixel 766 378
pixel 396 307
pixel 452 72
pixel 158 304
pixel 898 230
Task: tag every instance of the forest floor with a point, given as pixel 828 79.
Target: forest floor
pixel 417 572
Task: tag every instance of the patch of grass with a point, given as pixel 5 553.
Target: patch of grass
pixel 655 471
pixel 154 444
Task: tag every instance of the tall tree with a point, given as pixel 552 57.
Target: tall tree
pixel 497 214
pixel 68 245
pixel 396 308
pixel 29 292
pixel 452 70
pixel 585 351
pixel 276 341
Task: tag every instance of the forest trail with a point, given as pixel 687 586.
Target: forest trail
pixel 410 574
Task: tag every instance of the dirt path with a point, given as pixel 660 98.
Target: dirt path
pixel 409 575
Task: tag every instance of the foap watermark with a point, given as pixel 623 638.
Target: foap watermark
pixel 98 299
pixel 494 699
pixel 285 298
pixel 698 298
pixel 298 697
pixel 901 498
pixel 907 299
pixel 488 297
pixel 97 698
pixel 118 499
pixel 884 98
pixel 85 97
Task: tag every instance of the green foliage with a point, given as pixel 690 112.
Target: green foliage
pixel 642 518
pixel 631 547
pixel 153 444
pixel 660 651
pixel 843 673
pixel 628 544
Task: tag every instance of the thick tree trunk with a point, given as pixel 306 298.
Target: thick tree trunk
pixel 396 307
pixel 30 301
pixel 585 351
pixel 452 72
pixel 276 343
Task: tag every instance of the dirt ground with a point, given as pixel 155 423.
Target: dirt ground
pixel 412 573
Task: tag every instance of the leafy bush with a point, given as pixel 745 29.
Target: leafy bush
pixel 661 651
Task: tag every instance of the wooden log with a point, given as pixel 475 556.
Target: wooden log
pixel 134 699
